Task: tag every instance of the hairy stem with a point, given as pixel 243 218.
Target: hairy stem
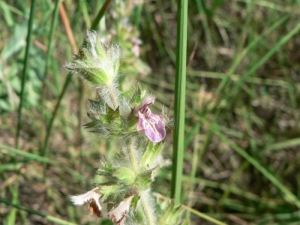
pixel 132 157
pixel 113 97
pixel 147 210
pixel 145 204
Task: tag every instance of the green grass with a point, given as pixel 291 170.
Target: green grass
pixel 240 142
pixel 179 105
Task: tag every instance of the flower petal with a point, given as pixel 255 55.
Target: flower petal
pixel 143 107
pixel 118 214
pixel 152 125
pixel 92 197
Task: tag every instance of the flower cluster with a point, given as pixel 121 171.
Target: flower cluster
pixel 124 186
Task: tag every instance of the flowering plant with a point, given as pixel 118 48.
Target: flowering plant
pixel 126 184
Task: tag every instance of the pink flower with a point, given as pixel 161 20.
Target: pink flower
pixel 149 122
pixel 136 46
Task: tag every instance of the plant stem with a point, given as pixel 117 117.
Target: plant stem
pixel 132 157
pixel 15 191
pixel 179 106
pixel 66 23
pixel 100 15
pixel 24 75
pixel 202 215
pixel 50 41
pixel 147 210
pixel 144 201
pixel 113 97
pixel 44 151
pixel 48 56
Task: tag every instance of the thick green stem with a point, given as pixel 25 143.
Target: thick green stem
pixel 179 106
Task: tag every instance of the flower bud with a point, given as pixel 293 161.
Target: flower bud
pixel 96 63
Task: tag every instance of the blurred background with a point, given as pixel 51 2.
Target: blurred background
pixel 242 159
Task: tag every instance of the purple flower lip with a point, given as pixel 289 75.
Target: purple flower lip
pixel 143 107
pixel 149 122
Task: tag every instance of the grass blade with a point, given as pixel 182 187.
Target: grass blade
pixel 288 194
pixel 202 215
pixel 12 214
pixel 258 64
pixel 100 15
pixel 24 74
pixel 31 211
pixel 53 25
pixel 179 106
pixel 283 144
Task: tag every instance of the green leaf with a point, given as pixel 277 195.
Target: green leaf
pixel 6 13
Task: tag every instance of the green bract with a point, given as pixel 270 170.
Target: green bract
pixel 96 63
pixel 125 175
pixel 106 121
pixel 172 214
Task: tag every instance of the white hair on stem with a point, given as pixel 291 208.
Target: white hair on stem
pixel 110 95
pixel 148 206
